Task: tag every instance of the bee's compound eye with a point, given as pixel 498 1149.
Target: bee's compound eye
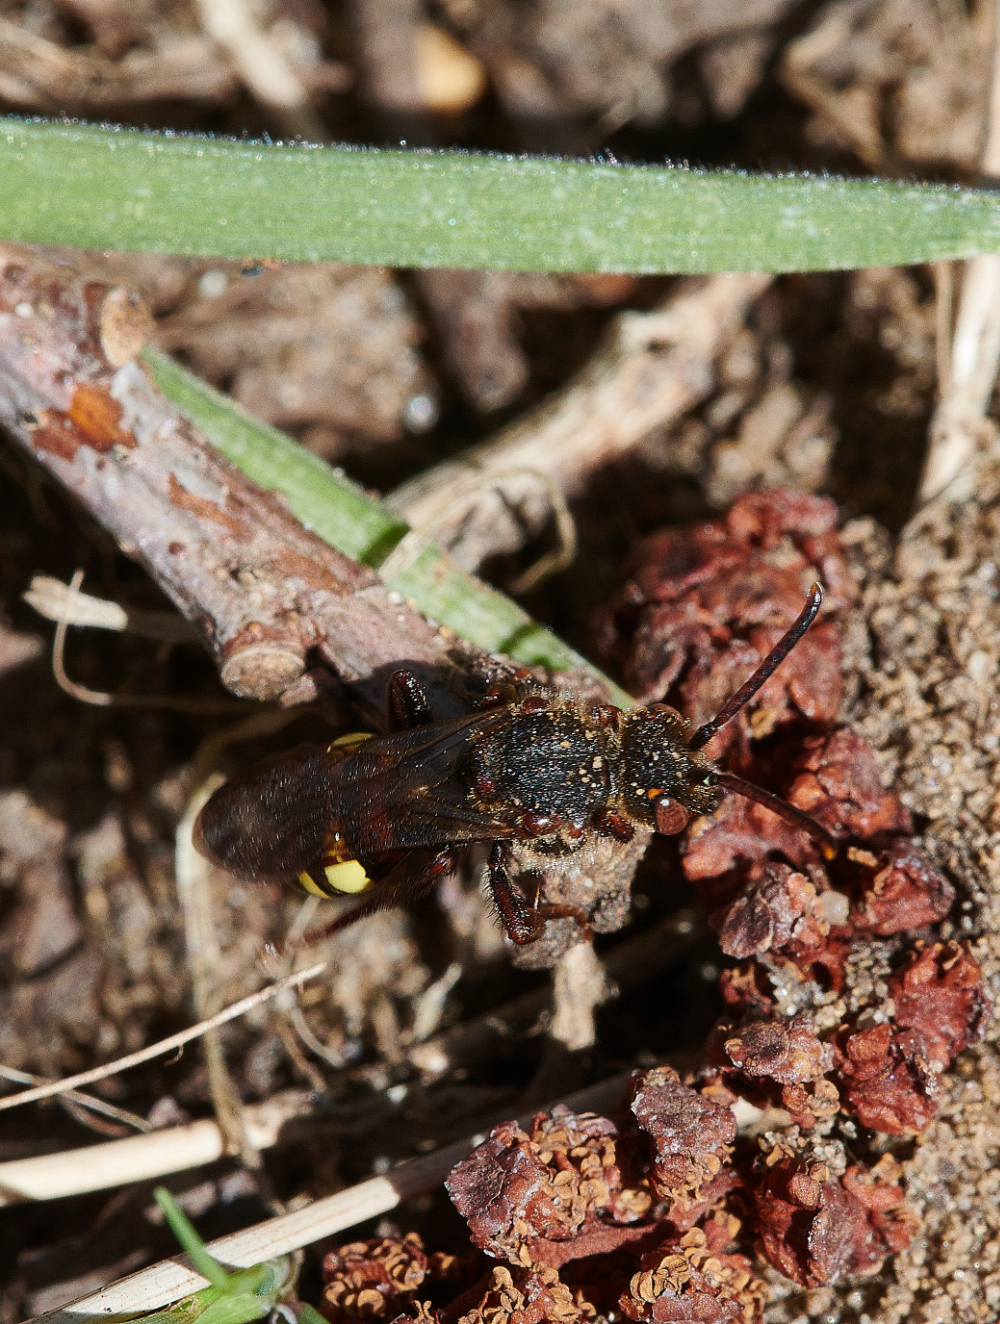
pixel 347 878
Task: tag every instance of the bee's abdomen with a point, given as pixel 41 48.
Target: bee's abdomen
pixel 271 822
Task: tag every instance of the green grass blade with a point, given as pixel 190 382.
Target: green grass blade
pixel 310 1315
pixel 359 525
pixel 186 1233
pixel 106 188
pixel 236 1309
pixel 324 499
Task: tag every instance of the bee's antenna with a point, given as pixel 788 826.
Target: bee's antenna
pixel 827 843
pixel 773 660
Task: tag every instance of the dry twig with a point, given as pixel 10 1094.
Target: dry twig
pixel 960 428
pixel 654 366
pixel 263 592
pixel 84 1103
pixel 174 1149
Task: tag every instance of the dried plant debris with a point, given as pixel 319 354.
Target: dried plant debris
pixel 708 603
pixel 899 81
pixel 372 1279
pixel 476 315
pixel 327 351
pixel 594 56
pixel 852 998
pixel 858 1045
pixel 636 1202
pixel 133 55
pixel 854 991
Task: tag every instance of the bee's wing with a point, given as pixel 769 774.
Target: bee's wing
pixel 392 793
pixel 402 791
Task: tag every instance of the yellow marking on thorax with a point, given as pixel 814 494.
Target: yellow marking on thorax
pixel 348 743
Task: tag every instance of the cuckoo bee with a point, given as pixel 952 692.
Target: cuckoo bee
pixel 389 814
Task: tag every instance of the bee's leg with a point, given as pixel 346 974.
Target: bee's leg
pixel 523 923
pixel 406 702
pixel 611 824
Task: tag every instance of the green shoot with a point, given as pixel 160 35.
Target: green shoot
pixel 358 525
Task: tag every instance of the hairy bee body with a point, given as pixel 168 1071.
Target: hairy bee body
pixel 534 767
pixel 543 771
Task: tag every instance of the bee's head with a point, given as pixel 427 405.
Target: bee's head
pixel 662 781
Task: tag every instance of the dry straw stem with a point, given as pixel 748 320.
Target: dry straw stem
pixel 142 1157
pixel 193 877
pixel 174 1149
pixel 159 1285
pixel 262 65
pixel 652 368
pixel 959 427
pixel 63 605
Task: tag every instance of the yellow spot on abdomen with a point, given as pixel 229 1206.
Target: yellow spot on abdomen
pixel 345 879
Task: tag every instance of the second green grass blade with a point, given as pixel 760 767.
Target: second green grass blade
pixel 327 502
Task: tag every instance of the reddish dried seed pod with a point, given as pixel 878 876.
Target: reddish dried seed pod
pixel 523 1296
pixel 725 851
pixel 549 1195
pixel 686 1279
pixel 886 1079
pixel 900 889
pixel 839 784
pixel 815 1229
pixel 788 1052
pixel 372 1280
pixel 703 601
pixel 939 993
pixel 779 907
pixel 692 1137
